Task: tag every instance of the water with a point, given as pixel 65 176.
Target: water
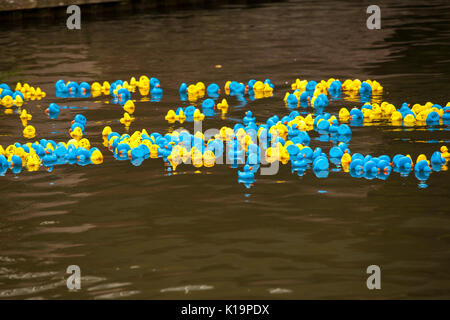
pixel 136 232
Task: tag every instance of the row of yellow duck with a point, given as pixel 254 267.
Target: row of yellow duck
pixel 22 93
pixel 418 114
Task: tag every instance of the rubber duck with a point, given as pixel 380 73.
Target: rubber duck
pixel 422 166
pixel 156 91
pixel 96 86
pixel 53 110
pixel 356 115
pixel 85 89
pixel 29 132
pixel 73 88
pixel 444 153
pixel 321 164
pixel 291 100
pixel 198 116
pixel 79 118
pixel 248 118
pixel 126 119
pixel 437 159
pixel 409 120
pixel 446 113
pixel 213 90
pixel 16 162
pixel 209 158
pixel 171 116
pixel 154 83
pixel 208 104
pixel 320 101
pixel 183 88
pixel 76 133
pixel 344 114
pixel 60 86
pixel 106 131
pixel 336 152
pixel 432 118
pixel 396 116
pixel 247 173
pixel 25 116
pixel 129 106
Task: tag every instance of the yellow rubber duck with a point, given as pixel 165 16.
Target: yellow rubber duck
pixel 126 119
pixel 76 133
pixel 421 157
pixel 272 154
pixel 171 116
pixel 84 143
pixel 144 82
pixel 209 159
pixel 267 89
pixel 258 86
pixel 106 131
pixel 409 120
pixel 29 132
pixel 7 101
pixel 309 120
pixel 198 116
pixel 444 153
pixel 223 104
pixel 154 151
pixel 97 157
pixel 25 116
pixel 422 116
pixel 33 162
pixel 200 87
pixel 396 116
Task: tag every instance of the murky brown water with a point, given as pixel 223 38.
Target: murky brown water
pixel 138 233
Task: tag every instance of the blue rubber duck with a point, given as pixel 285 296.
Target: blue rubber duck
pixel 183 88
pixel 437 159
pixel 249 118
pixel 208 104
pixel 291 100
pixel 213 90
pixel 433 118
pixel 247 173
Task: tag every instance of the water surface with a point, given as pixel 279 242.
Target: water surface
pixel 137 232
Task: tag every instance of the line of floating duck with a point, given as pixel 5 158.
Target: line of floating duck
pixel 254 145
pixel 120 90
pixel 49 153
pixel 254 89
pixel 419 115
pixel 284 140
pixel 315 93
pixel 21 93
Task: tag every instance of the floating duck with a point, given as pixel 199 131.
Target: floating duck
pixel 29 132
pixel 52 110
pixel 246 174
pixel 213 90
pixel 25 116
